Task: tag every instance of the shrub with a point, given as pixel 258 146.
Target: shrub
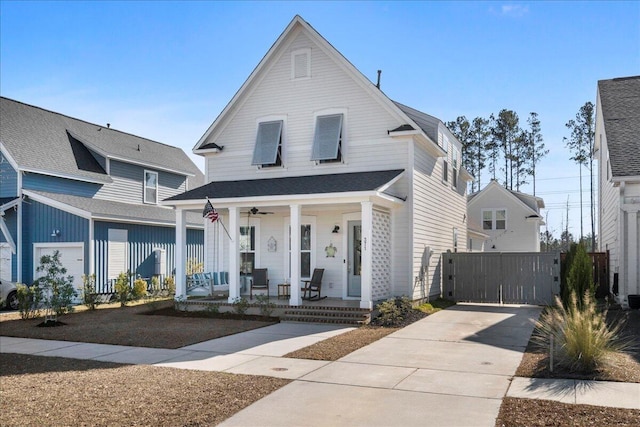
pixel 393 310
pixel 266 307
pixel 156 290
pixel 565 266
pixel 122 289
pixel 57 289
pixel 89 296
pixel 240 305
pixel 139 289
pixel 180 303
pixel 580 275
pixel 29 301
pixel 170 285
pixel 581 335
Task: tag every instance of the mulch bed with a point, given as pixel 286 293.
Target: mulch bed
pixel 53 391
pixel 545 413
pixel 125 326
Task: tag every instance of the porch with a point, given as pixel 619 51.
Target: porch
pixel 341 223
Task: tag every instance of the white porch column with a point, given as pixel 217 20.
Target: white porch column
pixel 296 297
pixel 181 253
pixel 633 252
pixel 234 254
pixel 366 300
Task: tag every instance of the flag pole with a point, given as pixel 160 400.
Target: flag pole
pixel 225 228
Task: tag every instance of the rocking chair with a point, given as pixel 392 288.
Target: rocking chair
pixel 259 281
pixel 313 286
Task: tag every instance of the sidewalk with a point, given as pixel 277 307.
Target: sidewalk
pixel 460 361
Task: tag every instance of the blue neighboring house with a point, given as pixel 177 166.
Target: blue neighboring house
pixel 90 192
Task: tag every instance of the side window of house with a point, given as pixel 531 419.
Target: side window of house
pixel 445 159
pixel 150 187
pixel 327 140
pixel 455 240
pixel 268 149
pixel 454 178
pixel 494 219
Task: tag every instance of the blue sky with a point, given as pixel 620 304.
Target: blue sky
pixel 165 70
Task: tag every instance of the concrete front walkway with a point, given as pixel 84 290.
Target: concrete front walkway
pixel 450 369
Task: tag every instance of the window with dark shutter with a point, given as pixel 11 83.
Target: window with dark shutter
pixel 327 142
pixel 268 149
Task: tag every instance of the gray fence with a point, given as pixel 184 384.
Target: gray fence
pixel 502 277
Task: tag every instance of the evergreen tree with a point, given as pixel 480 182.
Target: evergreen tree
pixel 505 131
pixel 581 145
pixel 535 146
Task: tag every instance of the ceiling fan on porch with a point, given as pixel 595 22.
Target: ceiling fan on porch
pixel 255 211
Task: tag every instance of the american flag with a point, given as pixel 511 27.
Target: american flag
pixel 210 212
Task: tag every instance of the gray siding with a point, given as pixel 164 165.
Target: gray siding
pixel 8 179
pixel 38 222
pixel 52 184
pixel 128 186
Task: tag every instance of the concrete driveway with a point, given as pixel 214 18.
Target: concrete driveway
pixel 450 369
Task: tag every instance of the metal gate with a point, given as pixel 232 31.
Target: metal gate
pixel 502 277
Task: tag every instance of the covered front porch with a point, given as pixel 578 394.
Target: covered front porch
pixel 348 234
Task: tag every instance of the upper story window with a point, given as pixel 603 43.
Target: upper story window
pixel 327 141
pixel 494 219
pixel 445 142
pixel 301 64
pixel 445 170
pixel 150 187
pixel 268 149
pixel 454 164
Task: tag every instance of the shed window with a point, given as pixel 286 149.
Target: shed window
pixel 327 142
pixel 268 149
pixel 150 187
pixel 494 219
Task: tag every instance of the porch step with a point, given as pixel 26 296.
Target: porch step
pixel 338 315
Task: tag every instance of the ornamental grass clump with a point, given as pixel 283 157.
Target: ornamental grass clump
pixel 581 336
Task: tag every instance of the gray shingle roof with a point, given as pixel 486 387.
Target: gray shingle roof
pixel 46 141
pixel 620 101
pixel 310 184
pixel 425 121
pixel 118 211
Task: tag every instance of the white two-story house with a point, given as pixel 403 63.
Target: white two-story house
pixel 311 165
pixel 617 148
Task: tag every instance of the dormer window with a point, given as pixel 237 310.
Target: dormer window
pixel 327 141
pixel 268 148
pixel 151 187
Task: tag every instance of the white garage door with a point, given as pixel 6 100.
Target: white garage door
pixel 5 261
pixel 71 257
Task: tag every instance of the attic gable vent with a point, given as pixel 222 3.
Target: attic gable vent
pixel 301 64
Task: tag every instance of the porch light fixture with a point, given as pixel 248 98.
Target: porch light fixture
pixel 336 229
pixel 55 233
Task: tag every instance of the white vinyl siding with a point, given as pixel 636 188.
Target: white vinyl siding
pixel 327 139
pixel 117 255
pixel 268 148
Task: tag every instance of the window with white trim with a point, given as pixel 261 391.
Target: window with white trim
pixel 455 240
pixel 454 177
pixel 247 245
pixel 307 242
pixel 445 170
pixel 150 187
pixel 494 219
pixel 327 140
pixel 301 64
pixel 268 149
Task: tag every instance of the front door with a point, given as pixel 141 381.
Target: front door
pixel 354 259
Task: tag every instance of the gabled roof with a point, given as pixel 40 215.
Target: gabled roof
pixel 43 141
pixel 530 204
pixel 295 185
pixel 620 102
pixel 108 210
pixel 298 24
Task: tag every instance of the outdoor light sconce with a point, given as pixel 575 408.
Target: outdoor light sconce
pixel 336 229
pixel 55 233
